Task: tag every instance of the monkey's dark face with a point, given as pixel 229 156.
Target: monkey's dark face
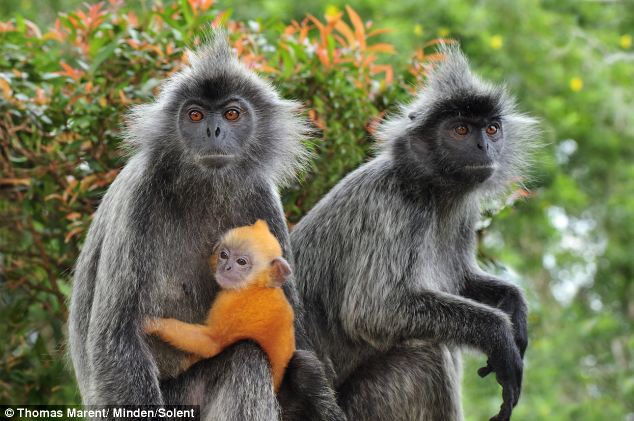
pixel 472 147
pixel 460 144
pixel 216 131
pixel 234 268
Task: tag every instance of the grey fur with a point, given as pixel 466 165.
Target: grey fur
pixel 146 253
pixel 386 267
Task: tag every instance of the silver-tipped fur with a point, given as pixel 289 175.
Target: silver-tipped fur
pixel 147 251
pixel 386 262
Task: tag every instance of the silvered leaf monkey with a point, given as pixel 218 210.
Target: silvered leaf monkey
pixel 385 262
pixel 207 155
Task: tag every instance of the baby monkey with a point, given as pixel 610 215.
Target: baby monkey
pixel 250 270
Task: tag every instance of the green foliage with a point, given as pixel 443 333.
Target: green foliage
pixel 64 90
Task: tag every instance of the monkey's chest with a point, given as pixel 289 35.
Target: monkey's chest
pixel 182 284
pixel 437 268
pixel 182 288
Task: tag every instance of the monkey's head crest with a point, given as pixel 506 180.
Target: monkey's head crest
pixel 217 118
pixel 461 130
pixel 256 237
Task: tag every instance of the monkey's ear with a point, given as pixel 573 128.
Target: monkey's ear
pixel 280 271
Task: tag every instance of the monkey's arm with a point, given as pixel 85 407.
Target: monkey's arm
pixel 489 290
pixel 402 314
pixel 123 368
pixel 187 337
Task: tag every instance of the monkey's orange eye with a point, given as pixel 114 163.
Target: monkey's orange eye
pixel 232 114
pixel 461 130
pixel 195 116
pixel 224 255
pixel 492 129
pixel 241 261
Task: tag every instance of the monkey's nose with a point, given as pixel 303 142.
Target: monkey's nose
pixel 482 144
pixel 227 268
pixel 217 131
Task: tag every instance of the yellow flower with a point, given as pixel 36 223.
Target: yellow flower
pixel 576 84
pixel 496 42
pixel 625 41
pixel 443 32
pixel 418 30
pixel 332 10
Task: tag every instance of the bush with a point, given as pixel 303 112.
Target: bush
pixel 64 92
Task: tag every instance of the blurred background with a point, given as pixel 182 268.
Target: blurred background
pixel 69 70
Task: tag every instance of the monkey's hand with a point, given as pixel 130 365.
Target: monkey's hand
pixel 152 326
pixel 506 362
pixel 494 292
pixel 520 327
pixel 514 305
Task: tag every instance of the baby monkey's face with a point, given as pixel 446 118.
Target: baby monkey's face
pixel 234 268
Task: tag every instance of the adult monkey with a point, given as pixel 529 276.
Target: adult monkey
pixel 209 155
pixel 385 262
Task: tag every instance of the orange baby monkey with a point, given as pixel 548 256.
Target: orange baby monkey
pixel 250 269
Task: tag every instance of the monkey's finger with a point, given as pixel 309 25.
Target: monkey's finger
pixel 503 415
pixel 518 386
pixel 516 396
pixel 507 404
pixel 485 371
pixel 150 325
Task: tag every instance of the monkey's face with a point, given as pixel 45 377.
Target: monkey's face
pixel 470 147
pixel 216 130
pixel 234 268
pixel 460 146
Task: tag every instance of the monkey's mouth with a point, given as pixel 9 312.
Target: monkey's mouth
pixel 216 160
pixel 479 167
pixel 479 172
